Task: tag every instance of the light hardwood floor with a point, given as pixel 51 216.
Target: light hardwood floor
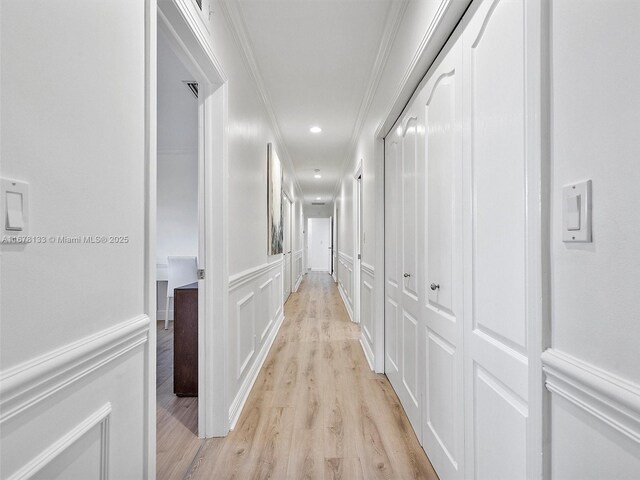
pixel 316 410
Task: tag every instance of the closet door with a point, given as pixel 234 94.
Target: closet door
pixel 393 275
pixel 402 302
pixel 443 407
pixel 502 235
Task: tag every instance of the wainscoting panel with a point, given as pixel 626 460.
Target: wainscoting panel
pixel 345 281
pixel 255 296
pixel 297 269
pixel 367 309
pixel 66 412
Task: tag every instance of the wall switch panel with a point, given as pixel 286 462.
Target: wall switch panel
pixel 14 201
pixel 576 214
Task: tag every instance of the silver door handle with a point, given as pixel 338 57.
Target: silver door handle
pixel 407 275
pixel 434 286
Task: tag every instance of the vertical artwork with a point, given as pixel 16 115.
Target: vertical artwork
pixel 274 201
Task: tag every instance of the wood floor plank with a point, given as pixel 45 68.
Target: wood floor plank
pixel 316 410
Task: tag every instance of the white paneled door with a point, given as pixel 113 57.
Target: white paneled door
pixel 443 412
pixel 402 299
pixel 501 239
pixel 319 244
pixel 462 249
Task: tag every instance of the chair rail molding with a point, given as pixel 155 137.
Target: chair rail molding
pixel 29 383
pixel 600 393
pixel 242 278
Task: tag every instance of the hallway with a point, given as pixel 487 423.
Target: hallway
pixel 316 409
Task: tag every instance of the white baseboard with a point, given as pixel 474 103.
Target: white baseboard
pixel 346 302
pixel 366 348
pixel 613 400
pixel 298 282
pixel 238 402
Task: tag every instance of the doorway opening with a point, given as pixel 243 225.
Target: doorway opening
pixel 287 209
pixel 179 252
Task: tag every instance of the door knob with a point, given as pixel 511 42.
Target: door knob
pixel 407 275
pixel 434 286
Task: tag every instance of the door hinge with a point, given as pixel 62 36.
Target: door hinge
pixel 200 273
pixel 359 257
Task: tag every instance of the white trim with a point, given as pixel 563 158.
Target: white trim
pixel 368 353
pixel 29 383
pixel 346 257
pixel 436 35
pixel 298 282
pixel 602 394
pixel 100 417
pixel 368 269
pixel 245 389
pixel 344 300
pixel 239 279
pixel 150 213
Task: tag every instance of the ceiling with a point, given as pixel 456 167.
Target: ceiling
pixel 315 59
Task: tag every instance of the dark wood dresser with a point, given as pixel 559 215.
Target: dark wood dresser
pixel 185 341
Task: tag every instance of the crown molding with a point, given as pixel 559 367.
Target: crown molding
pixel 408 83
pixel 233 15
pixel 391 27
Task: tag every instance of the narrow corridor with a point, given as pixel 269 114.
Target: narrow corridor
pixel 316 410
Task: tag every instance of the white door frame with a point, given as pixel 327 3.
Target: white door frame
pixel 187 32
pixel 357 239
pixel 291 251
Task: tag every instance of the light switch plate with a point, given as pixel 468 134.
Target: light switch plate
pixel 576 212
pixel 14 207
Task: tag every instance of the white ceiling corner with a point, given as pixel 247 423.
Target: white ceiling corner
pixel 234 16
pixel 390 30
pixel 316 62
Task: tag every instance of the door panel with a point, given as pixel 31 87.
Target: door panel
pixel 392 254
pixel 409 207
pixel 443 427
pixel 497 354
pixel 402 261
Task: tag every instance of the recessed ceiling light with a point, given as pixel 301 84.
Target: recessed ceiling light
pixel 318 198
pixel 317 175
pixel 315 129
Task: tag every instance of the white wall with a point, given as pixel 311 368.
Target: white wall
pixel 177 211
pixel 255 278
pixel 72 104
pixel 595 69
